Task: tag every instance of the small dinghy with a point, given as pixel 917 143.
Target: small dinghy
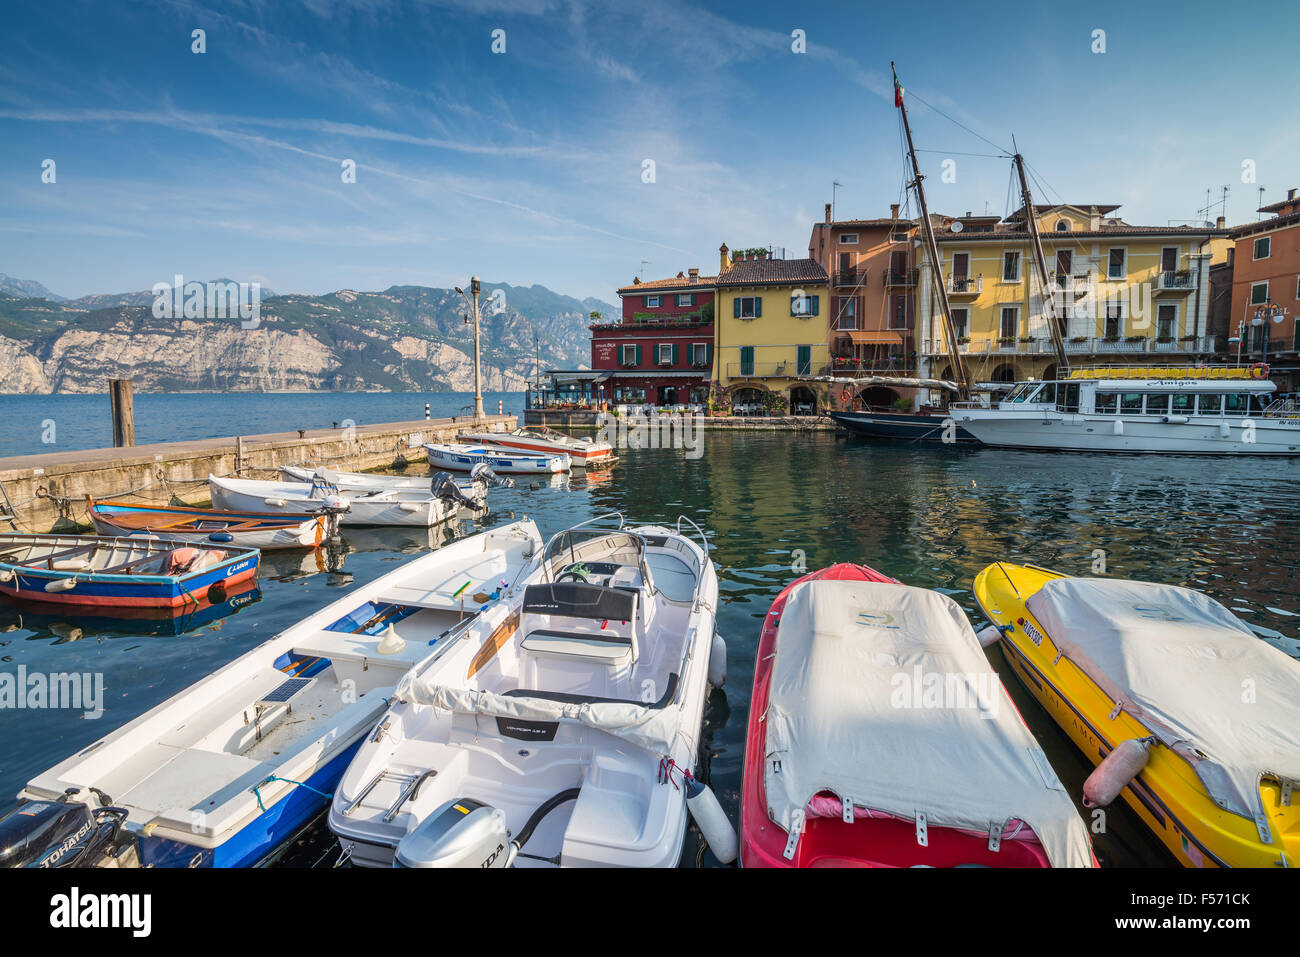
pixel 880 737
pixel 568 737
pixel 463 458
pixel 347 482
pixel 228 770
pixel 104 571
pixel 437 502
pixel 261 530
pixel 584 451
pixel 1189 716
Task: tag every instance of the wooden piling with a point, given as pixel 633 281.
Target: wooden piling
pixel 123 406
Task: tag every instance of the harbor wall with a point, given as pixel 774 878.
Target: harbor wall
pixel 564 419
pixel 47 492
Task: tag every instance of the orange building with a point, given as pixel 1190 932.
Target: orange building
pixel 1266 278
pixel 871 325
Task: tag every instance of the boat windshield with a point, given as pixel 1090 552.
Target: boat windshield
pixel 1020 392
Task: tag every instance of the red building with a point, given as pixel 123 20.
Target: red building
pixel 1266 283
pixel 660 351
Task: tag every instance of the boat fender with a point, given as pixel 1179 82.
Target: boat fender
pixel 275 502
pixel 62 584
pixel 221 537
pixel 391 643
pixel 712 820
pixel 1119 426
pixel 1116 771
pixel 6 575
pixel 1225 430
pixel 989 635
pixel 718 661
pixel 1174 419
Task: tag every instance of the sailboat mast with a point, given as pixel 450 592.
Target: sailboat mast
pixel 1040 260
pixel 950 331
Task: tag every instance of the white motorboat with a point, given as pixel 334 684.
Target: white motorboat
pixel 569 737
pixel 227 770
pixel 475 488
pixel 584 451
pixel 1207 411
pixel 463 458
pixel 421 507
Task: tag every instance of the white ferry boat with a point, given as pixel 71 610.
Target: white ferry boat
pixel 1204 411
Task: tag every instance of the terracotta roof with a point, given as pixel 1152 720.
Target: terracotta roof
pixel 860 223
pixel 1264 225
pixel 759 272
pixel 1118 231
pixel 667 285
pixel 1101 209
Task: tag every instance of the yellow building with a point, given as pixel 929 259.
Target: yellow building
pixel 1123 293
pixel 770 329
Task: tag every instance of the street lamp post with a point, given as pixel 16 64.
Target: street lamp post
pixel 475 287
pixel 1266 311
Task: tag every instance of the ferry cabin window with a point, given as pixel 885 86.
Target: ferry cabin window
pixel 1211 404
pixel 1237 403
pixel 1157 405
pixel 1184 403
pixel 1106 403
pixel 1130 403
pixel 1067 397
pixel 1047 393
pixel 1019 393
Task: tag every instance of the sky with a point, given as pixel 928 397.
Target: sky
pixel 598 141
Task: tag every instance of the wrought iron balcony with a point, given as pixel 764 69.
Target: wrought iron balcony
pixel 965 285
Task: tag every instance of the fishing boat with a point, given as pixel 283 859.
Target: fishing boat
pixel 106 571
pixel 432 505
pixel 569 737
pixel 903 427
pixel 1161 410
pixel 584 451
pixel 879 737
pixel 463 458
pixel 261 530
pixel 224 772
pixel 475 488
pixel 1186 713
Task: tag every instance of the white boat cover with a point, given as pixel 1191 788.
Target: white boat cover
pixel 1206 685
pixel 842 717
pixel 650 728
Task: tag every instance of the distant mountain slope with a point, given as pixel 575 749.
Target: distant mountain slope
pixel 403 338
pixel 26 287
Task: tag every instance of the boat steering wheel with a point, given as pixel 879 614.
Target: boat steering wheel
pixel 572 573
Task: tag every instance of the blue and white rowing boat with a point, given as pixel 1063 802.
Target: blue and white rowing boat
pixel 463 458
pixel 228 770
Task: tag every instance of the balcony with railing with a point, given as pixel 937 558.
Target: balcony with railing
pixel 965 285
pixel 1068 282
pixel 760 370
pixel 1139 345
pixel 845 368
pixel 853 278
pixel 1175 280
pixel 901 277
pixel 993 346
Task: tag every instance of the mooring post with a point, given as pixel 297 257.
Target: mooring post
pixel 426 412
pixel 119 395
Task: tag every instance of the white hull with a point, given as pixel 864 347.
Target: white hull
pixel 583 453
pixel 622 814
pixel 305 534
pixel 392 507
pixel 233 745
pixel 368 482
pixel 462 458
pixel 1049 429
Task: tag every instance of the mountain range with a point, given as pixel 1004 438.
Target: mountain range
pixel 405 338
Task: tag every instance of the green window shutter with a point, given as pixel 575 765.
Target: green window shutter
pixel 708 350
pixel 638 355
pixel 736 306
pixel 758 306
pixel 645 302
pixel 816 308
pixel 675 360
pixel 804 360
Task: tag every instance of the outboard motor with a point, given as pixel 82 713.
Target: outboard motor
pixel 333 507
pixel 461 833
pixel 481 472
pixel 62 833
pixel 446 488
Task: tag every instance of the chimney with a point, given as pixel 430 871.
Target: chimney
pixel 724 261
pixel 636 280
pixel 681 275
pixel 893 210
pixel 1290 195
pixel 828 212
pixel 694 272
pixel 1220 223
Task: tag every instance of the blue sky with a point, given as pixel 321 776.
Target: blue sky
pixel 527 166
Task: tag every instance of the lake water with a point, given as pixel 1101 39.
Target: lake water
pixel 930 517
pixel 61 423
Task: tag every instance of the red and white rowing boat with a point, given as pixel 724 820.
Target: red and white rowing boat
pixel 879 736
pixel 584 450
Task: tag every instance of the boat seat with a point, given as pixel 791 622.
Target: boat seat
pixel 580 600
pixel 567 697
pixel 606 648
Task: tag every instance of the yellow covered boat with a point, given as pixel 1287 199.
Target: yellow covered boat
pixel 1205 715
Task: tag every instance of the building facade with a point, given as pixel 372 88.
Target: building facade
pixel 1266 285
pixel 871 324
pixel 1124 294
pixel 770 334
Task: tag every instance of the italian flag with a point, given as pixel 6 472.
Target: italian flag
pixel 898 88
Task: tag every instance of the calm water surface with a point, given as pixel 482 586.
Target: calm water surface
pixel 930 517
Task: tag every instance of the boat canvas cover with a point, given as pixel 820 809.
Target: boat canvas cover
pixel 836 720
pixel 1205 684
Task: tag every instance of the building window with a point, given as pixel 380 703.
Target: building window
pixel 802 304
pixel 666 351
pixel 1166 321
pixel 1116 267
pixel 1062 226
pixel 1263 247
pixel 1297 287
pixel 900 313
pixel 898 237
pixel 1010 321
pixel 960 318
pixel 803 360
pixel 629 355
pixel 747 307
pixel 848 239
pixel 1114 319
pixel 1011 266
pixel 685 299
pixel 1259 293
pixel 700 356
pixel 848 317
pixel 747 360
